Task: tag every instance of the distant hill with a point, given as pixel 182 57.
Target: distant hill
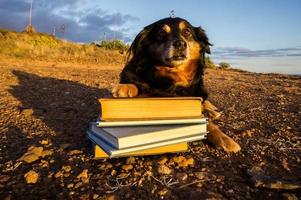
pixel 40 46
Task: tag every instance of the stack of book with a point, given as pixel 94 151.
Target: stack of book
pixel 146 126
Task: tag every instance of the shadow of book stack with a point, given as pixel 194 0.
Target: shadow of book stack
pixel 146 126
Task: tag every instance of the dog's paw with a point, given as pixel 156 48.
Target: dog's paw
pixel 125 90
pixel 221 140
pixel 210 109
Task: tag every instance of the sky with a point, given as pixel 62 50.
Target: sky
pixel 255 35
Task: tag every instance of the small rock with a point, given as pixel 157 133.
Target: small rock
pixel 95 196
pixel 44 142
pixel 183 162
pixel 58 174
pixel 113 172
pixel 130 160
pixel 127 167
pixel 84 176
pixel 247 133
pixel 163 169
pixel 27 111
pixel 259 179
pixel 162 161
pixel 66 168
pixel 46 153
pixel 123 175
pixel 44 163
pixel 163 192
pixel 31 177
pixel 201 175
pixel 75 152
pixel 70 185
pixel 284 164
pixel 34 153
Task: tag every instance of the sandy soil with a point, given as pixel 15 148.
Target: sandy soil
pixel 50 105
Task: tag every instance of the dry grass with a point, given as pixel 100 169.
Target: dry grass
pixel 39 46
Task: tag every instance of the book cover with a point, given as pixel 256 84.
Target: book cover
pixel 173 148
pixel 150 108
pixel 124 137
pixel 114 152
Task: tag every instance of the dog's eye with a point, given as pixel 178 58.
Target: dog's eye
pixel 186 32
pixel 161 34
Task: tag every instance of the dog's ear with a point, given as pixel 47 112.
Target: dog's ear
pixel 136 48
pixel 202 39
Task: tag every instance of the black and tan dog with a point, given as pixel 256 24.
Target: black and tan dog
pixel 167 59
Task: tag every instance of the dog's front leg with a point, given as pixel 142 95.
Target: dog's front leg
pixel 220 139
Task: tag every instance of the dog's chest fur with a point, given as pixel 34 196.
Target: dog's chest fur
pixel 181 75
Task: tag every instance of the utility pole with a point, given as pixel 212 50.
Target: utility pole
pixel 30 13
pixel 29 28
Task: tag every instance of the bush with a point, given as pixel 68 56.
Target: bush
pixel 113 45
pixel 209 63
pixel 224 65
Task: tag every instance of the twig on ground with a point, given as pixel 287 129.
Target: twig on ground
pixel 117 185
pixel 165 182
pixel 188 184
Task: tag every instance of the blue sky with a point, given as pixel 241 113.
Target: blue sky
pixel 262 36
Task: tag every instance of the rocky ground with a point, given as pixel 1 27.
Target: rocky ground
pixel 44 154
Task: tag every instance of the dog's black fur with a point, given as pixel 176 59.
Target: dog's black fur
pixel 167 58
pixel 140 69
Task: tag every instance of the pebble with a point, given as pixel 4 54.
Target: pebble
pixel 163 169
pixel 181 161
pixel 113 172
pixel 58 174
pixel 130 160
pixel 84 176
pixel 95 196
pixel 44 142
pixel 75 152
pixel 127 167
pixel 34 153
pixel 31 177
pixel 200 175
pixel 247 133
pixel 70 185
pixel 163 192
pixel 162 161
pixel 66 168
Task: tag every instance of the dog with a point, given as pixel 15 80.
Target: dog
pixel 167 59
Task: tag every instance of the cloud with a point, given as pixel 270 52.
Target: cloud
pixel 83 23
pixel 238 52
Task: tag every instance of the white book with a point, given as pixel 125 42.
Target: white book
pixel 123 137
pixel 114 152
pixel 145 122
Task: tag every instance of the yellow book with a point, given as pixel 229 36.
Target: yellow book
pixel 123 109
pixel 180 147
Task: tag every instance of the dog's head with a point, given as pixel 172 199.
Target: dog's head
pixel 170 42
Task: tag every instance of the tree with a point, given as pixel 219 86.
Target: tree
pixel 224 65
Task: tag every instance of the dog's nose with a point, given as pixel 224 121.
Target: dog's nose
pixel 179 44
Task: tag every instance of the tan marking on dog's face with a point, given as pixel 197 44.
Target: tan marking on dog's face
pixel 182 25
pixel 166 28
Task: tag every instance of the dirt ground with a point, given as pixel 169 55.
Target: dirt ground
pixel 48 106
